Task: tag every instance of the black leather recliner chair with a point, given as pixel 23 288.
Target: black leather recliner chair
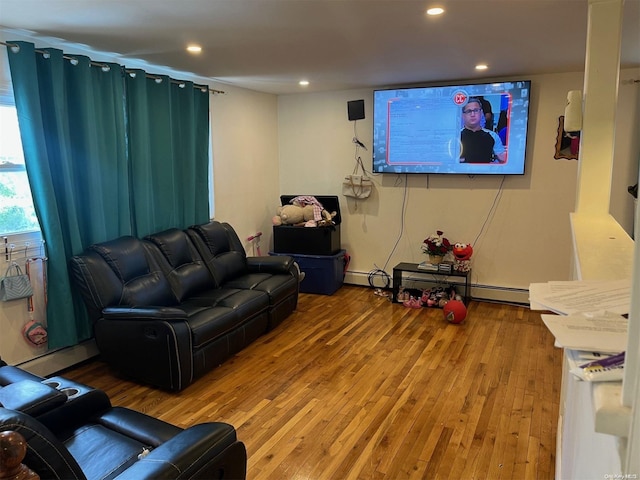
pixel 170 307
pixel 73 432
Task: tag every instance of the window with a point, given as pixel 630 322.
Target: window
pixel 16 205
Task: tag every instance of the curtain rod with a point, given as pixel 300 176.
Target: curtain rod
pixel 130 71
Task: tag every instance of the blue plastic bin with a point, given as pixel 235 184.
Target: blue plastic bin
pixel 324 274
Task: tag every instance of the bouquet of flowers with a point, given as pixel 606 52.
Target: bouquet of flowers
pixel 436 244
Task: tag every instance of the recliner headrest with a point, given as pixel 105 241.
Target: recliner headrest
pixel 125 255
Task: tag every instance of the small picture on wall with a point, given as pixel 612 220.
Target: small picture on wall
pixel 567 143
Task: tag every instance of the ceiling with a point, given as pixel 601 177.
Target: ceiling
pixel 269 45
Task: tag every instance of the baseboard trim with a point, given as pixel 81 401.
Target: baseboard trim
pixel 490 293
pixel 57 360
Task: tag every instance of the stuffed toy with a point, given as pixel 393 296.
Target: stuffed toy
pixel 306 200
pixel 303 211
pixel 327 219
pixel 293 215
pixel 462 257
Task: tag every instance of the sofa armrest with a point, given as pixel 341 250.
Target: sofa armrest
pixel 150 345
pixel 207 450
pixel 10 374
pixel 272 264
pixel 32 398
pixel 144 313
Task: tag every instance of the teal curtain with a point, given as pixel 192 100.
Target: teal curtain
pixel 71 117
pixel 108 152
pixel 168 148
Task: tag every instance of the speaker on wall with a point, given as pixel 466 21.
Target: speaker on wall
pixel 355 109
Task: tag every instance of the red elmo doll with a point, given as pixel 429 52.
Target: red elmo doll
pixel 462 256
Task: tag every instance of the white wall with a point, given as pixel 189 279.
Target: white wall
pixel 527 239
pixel 245 161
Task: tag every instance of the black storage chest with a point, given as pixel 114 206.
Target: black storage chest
pixel 309 240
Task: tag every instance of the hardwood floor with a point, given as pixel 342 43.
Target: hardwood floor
pixel 354 387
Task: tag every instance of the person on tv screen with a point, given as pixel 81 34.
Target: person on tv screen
pixel 479 145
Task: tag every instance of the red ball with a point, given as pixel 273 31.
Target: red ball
pixel 454 311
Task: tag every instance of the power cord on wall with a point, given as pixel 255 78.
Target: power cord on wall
pixel 378 273
pixel 491 211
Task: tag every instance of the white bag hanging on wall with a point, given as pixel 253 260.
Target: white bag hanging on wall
pixel 357 185
pixel 573 112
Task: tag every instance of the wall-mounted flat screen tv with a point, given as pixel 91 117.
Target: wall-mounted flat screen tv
pixel 455 129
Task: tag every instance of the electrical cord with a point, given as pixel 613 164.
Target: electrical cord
pixel 378 273
pixel 404 207
pixel 491 210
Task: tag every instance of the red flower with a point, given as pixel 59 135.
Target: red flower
pixel 436 244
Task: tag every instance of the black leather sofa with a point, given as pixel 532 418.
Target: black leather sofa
pixel 171 306
pixel 73 432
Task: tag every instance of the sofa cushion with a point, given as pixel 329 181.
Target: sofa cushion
pixel 207 323
pixel 228 266
pixel 125 256
pixel 147 430
pixel 119 272
pixel 102 453
pixel 277 287
pixel 217 312
pixel 180 262
pixel 219 246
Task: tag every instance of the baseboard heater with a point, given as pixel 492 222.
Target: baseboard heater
pixel 56 360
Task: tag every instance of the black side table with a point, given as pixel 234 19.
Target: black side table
pixel 413 268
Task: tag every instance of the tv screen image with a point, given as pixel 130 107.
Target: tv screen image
pixel 454 129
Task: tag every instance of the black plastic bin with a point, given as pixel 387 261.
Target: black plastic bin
pixel 292 239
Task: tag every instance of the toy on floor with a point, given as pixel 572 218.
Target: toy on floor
pixel 413 302
pixel 438 297
pixel 454 311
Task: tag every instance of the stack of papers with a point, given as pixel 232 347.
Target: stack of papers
pixel 590 313
pixel 566 298
pixel 604 332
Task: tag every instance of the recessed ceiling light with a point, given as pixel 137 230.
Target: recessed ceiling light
pixel 194 48
pixel 481 66
pixel 303 83
pixel 435 11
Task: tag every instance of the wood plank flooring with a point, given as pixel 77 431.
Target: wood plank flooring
pixel 354 387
